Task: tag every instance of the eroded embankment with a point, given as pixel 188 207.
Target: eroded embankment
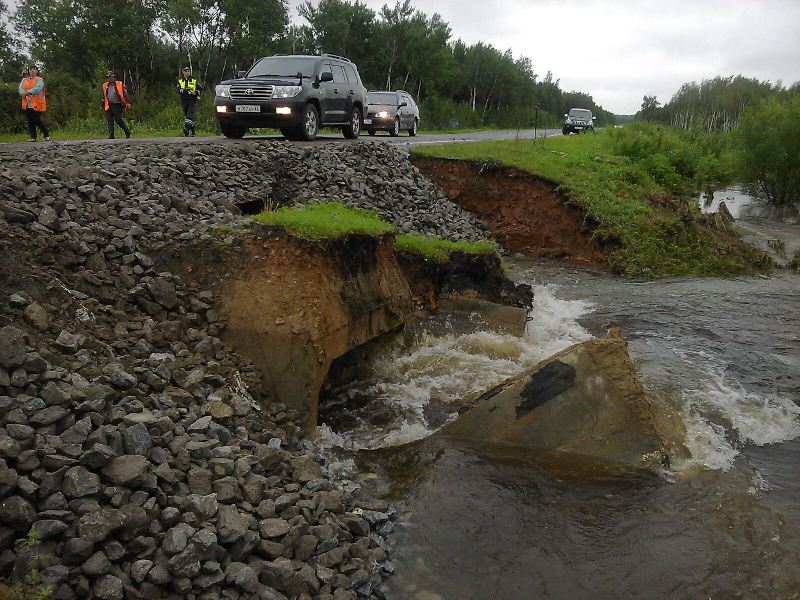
pixel 525 213
pixel 135 442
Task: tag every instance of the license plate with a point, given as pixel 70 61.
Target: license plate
pixel 248 108
pixel 367 121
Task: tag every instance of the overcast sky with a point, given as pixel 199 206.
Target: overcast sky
pixel 620 50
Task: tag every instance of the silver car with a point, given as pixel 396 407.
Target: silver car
pixel 392 112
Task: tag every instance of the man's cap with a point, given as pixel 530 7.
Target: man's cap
pixel 110 74
pixel 187 68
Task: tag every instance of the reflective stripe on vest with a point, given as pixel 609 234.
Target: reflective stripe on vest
pixel 37 101
pixel 120 93
pixel 188 84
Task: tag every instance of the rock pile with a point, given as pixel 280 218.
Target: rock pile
pixel 214 179
pixel 133 443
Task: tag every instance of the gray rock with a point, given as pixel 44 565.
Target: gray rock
pixel 97 525
pixel 163 292
pixel 137 440
pixel 232 524
pixel 36 315
pixel 273 528
pixel 98 456
pixel 108 587
pixel 242 576
pixel 79 482
pixel 97 564
pixel 122 380
pixel 16 512
pixel 176 539
pixel 12 347
pixel 140 569
pixel 126 470
pixel 205 507
pixel 49 528
pixel 68 342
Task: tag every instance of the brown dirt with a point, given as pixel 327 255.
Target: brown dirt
pixel 524 213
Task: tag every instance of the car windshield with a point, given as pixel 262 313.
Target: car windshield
pixel 284 66
pixel 579 113
pixel 384 98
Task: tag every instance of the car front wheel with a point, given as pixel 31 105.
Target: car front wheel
pixel 565 131
pixel 413 131
pixel 395 128
pixel 310 125
pixel 353 128
pixel 234 132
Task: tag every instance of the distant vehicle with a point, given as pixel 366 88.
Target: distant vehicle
pixel 577 120
pixel 297 94
pixel 392 112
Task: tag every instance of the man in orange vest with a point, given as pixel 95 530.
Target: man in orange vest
pixel 115 97
pixel 31 88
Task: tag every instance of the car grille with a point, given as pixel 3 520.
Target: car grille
pixel 251 91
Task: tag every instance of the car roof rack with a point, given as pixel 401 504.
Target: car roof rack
pixel 329 55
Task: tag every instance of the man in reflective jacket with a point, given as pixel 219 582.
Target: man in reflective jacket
pixel 189 90
pixel 115 97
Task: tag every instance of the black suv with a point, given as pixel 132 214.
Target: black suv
pixel 577 120
pixel 392 112
pixel 296 94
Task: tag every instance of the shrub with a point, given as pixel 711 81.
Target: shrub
pixel 769 149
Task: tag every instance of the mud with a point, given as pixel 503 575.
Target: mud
pixel 524 213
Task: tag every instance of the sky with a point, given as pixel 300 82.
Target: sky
pixel 620 50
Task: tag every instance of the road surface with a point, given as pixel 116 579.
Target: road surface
pixel 402 140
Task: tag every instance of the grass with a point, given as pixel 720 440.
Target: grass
pixel 438 249
pixel 333 220
pixel 652 231
pixel 324 221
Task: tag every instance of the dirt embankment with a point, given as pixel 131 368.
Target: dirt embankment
pixel 524 213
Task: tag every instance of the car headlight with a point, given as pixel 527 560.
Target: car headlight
pixel 286 91
pixel 223 91
pixel 569 121
pixel 383 114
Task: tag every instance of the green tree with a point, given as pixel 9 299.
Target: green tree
pixel 11 63
pixel 769 148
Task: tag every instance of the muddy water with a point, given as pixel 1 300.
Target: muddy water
pixel 491 522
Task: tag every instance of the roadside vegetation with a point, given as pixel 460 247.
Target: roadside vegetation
pixel 629 182
pixel 333 220
pixel 457 85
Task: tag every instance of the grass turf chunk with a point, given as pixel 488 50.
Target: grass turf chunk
pixel 322 221
pixel 439 249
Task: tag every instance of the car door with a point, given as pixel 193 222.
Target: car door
pixel 341 94
pixel 408 111
pixel 327 95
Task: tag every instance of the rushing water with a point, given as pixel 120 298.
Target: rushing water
pixel 481 521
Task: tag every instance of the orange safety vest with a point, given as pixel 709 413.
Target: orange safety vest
pixel 123 98
pixel 37 101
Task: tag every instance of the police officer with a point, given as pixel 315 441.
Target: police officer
pixel 189 90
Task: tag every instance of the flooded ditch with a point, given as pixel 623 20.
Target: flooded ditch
pixel 482 520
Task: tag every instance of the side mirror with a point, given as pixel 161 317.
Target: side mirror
pixel 402 104
pixel 241 74
pixel 326 76
pixel 566 115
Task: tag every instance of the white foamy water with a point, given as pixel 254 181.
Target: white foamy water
pixel 721 415
pixel 450 369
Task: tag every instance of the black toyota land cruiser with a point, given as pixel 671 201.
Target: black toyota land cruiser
pixel 296 94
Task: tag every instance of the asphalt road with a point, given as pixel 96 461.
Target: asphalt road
pixel 402 140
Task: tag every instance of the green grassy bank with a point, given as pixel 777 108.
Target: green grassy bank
pixel 332 220
pixel 629 182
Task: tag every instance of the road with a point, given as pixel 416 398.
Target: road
pixel 403 140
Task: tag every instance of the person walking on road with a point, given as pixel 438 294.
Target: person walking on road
pixel 189 90
pixel 32 90
pixel 115 100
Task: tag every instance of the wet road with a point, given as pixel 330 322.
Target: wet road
pixel 421 139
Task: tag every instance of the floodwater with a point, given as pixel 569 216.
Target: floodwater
pixel 491 522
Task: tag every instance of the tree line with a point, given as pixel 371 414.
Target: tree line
pixel 398 47
pixel 713 105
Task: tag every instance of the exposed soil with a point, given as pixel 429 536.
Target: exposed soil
pixel 524 213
